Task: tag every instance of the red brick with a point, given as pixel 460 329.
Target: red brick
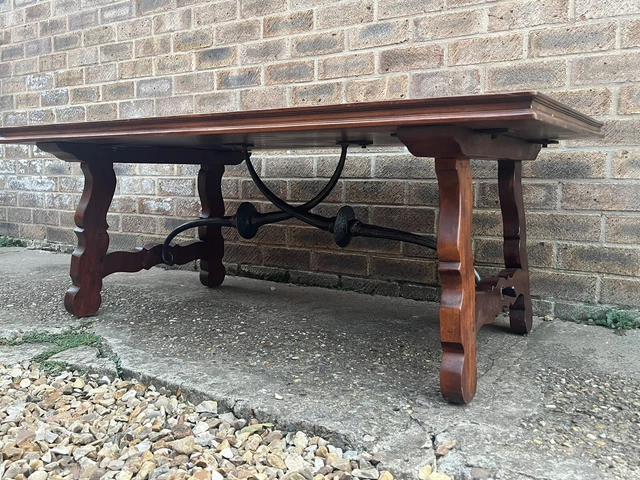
pixel 375 192
pixel 287 258
pixel 404 270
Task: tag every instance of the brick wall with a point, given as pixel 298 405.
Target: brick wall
pixel 77 60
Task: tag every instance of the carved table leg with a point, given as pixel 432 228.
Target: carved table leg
pixel 83 297
pixel 515 253
pixel 210 189
pixel 457 305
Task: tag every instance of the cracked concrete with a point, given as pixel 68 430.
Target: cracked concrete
pixel 360 369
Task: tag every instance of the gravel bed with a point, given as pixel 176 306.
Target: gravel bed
pixel 83 427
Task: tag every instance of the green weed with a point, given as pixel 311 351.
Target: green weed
pixel 615 319
pixel 12 242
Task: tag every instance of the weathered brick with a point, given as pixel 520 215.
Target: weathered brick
pixel 288 24
pixel 116 52
pixel 193 40
pixel 237 78
pixel 340 263
pixel 603 8
pixel 145 7
pixel 372 191
pixel 52 98
pixel 14 119
pixel 239 253
pixel 566 164
pixel 405 59
pixel 178 63
pixel 448 25
pixel 259 8
pixel 238 32
pixel 404 270
pixel 618 291
pixel 53 26
pixel 488 49
pixel 264 51
pixel 598 258
pixel 172 21
pixel 622 229
pixel 601 196
pixel 102 111
pixel 139 28
pixel 263 98
pixel 630 33
pixel 574 39
pixel 82 57
pixel 317 94
pixel 290 72
pixel 37 47
pixel 154 87
pixel 357 166
pixel 384 88
pixel 8 198
pixel 345 13
pixel 19 215
pixel 346 66
pixel 116 12
pixel 286 167
pixel 537 196
pixel 183 187
pixel 136 68
pixel 11 52
pixel 318 44
pixel 83 20
pixel 423 193
pixel 590 101
pixel 304 190
pixel 42 81
pixel 553 285
pixel 629 101
pixel 539 254
pixel 527 14
pixel 101 73
pixel 25 100
pixel 561 226
pixel 216 102
pixel 403 166
pixel 194 82
pixel 85 95
pixel 611 68
pixel 138 223
pixel 250 191
pixel 26 66
pixel 69 78
pixel 37 12
pixel 417 220
pixel 71 114
pixel 149 47
pixel 379 34
pixel 31 199
pixel 287 258
pixel 216 57
pixel 444 83
pixel 118 91
pixel 529 75
pixel 135 109
pixel 626 164
pixel 99 35
pixel 223 12
pixel 405 8
pixel 46 217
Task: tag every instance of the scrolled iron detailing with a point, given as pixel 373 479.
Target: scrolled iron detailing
pixel 344 226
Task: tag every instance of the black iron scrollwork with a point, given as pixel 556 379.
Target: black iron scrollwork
pixel 344 226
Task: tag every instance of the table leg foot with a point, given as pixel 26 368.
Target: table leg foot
pixel 212 271
pixel 83 297
pixel 458 371
pixel 515 252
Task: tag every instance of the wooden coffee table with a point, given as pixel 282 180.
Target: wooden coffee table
pixel 509 128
